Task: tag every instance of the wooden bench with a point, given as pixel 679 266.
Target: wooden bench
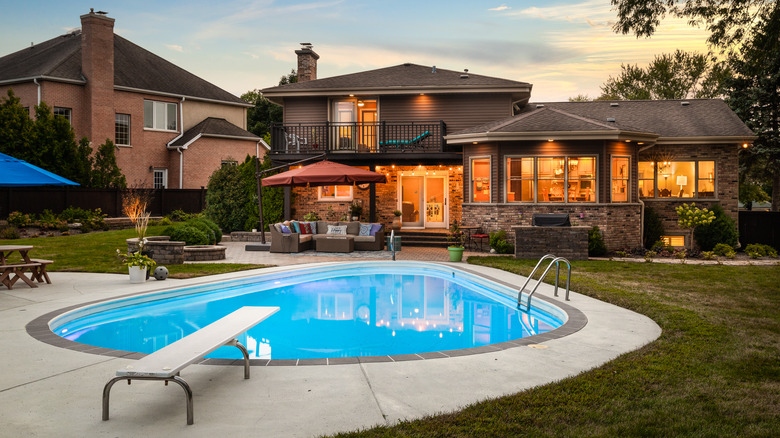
pixel 40 273
pixel 12 273
pixel 165 364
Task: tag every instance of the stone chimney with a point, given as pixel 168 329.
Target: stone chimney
pixel 97 66
pixel 307 63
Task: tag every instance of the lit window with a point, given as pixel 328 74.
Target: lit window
pixel 480 179
pixel 335 193
pixel 581 179
pixel 160 178
pixel 706 179
pixel 520 179
pixel 551 171
pixel 122 130
pixel 620 185
pixel 646 179
pixel 676 241
pixel 64 112
pixel 677 179
pixel 160 115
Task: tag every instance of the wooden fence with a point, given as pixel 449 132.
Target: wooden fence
pixel 57 199
pixel 759 227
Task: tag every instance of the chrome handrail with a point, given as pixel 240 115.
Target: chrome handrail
pixel 556 261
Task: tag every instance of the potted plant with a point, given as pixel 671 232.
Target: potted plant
pixel 455 237
pixel 355 210
pixel 396 220
pixel 137 264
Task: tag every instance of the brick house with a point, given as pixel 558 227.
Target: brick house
pixel 471 148
pixel 171 128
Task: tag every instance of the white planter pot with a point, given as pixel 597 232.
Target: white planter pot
pixel 137 274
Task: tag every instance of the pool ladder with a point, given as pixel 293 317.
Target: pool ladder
pixel 556 261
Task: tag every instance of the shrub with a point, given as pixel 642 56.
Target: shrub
pixel 622 254
pixel 8 233
pixel 708 255
pixel 89 219
pixel 19 219
pixel 758 250
pixel 187 234
pixel 649 255
pixel 653 228
pixel 596 246
pixel 180 216
pixel 311 216
pixel 226 199
pixel 660 246
pixel 721 230
pixel 50 221
pixel 724 250
pixel 499 243
pixel 207 226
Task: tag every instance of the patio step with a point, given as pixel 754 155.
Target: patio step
pixel 423 239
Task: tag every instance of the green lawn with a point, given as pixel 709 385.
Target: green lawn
pixel 96 252
pixel 714 372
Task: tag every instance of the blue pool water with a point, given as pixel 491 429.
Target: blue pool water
pixel 366 309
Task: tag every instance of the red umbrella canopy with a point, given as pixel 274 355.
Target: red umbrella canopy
pixel 324 173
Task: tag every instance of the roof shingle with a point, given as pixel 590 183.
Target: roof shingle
pixel 214 127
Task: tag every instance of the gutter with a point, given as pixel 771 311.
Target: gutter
pixel 162 93
pixel 43 78
pixel 545 135
pixel 181 154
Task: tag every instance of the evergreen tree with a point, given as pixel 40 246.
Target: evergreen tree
pixel 15 127
pixel 105 172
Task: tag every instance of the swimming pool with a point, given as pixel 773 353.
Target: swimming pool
pixel 345 310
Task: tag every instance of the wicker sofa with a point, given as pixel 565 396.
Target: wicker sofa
pixel 296 242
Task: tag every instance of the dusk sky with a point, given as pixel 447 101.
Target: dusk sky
pixel 563 47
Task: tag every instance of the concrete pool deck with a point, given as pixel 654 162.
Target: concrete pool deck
pixel 50 391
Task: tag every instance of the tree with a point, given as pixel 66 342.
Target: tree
pixel 754 94
pixel 105 172
pixel 262 115
pixel 728 21
pixel 679 75
pixel 15 127
pixel 226 199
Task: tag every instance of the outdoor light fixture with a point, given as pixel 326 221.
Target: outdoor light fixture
pixel 550 139
pixel 361 103
pixel 744 146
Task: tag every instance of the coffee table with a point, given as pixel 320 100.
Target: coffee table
pixel 335 244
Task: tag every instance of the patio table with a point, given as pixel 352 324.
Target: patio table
pixel 11 272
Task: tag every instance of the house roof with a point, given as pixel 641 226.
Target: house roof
pixel 135 69
pixel 693 120
pixel 212 127
pixel 401 79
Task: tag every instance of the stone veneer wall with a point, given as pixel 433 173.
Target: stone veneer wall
pixel 619 223
pixel 164 251
pixel 570 243
pixel 305 198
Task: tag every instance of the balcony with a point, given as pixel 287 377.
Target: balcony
pixel 358 139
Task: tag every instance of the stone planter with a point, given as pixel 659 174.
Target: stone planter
pixel 201 253
pixel 137 274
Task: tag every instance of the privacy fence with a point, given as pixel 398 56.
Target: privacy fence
pixel 759 227
pixel 56 199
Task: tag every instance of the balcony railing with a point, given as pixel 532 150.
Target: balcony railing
pixel 358 137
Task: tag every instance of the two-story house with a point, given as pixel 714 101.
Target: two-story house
pixel 171 128
pixel 460 146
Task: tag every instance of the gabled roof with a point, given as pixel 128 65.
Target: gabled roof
pixel 401 79
pixel 212 127
pixel 135 69
pixel 692 121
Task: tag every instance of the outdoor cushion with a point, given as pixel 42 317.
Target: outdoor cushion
pixel 374 229
pixel 295 227
pixel 353 228
pixel 313 226
pixel 365 238
pixel 278 227
pixel 337 229
pixel 365 230
pixel 305 227
pixel 322 226
pixel 285 229
pixel 304 238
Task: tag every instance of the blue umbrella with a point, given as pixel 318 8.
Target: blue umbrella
pixel 19 173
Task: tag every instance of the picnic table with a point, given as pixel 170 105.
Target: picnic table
pixel 12 271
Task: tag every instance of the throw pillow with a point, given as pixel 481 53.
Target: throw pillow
pixel 305 228
pixel 337 229
pixel 365 230
pixel 285 229
pixel 295 228
pixel 313 227
pixel 374 229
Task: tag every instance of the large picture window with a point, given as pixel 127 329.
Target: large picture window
pixel 677 179
pixel 160 115
pixel 520 179
pixel 480 179
pixel 335 193
pixel 620 182
pixel 551 179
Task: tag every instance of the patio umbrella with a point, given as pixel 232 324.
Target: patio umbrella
pixel 324 173
pixel 19 173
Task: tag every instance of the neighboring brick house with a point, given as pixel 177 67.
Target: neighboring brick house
pixel 460 146
pixel 171 128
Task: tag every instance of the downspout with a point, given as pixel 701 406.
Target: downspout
pixel 35 81
pixel 181 166
pixel 181 154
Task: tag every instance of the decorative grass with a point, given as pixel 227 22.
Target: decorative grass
pixel 96 252
pixel 715 370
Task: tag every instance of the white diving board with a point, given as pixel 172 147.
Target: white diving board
pixel 166 363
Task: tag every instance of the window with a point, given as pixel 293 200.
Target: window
pixel 480 179
pixel 620 185
pixel 520 179
pixel 159 115
pixel 677 179
pixel 335 193
pixel 63 112
pixel 229 163
pixel 676 241
pixel 160 178
pixel 122 129
pixel 581 179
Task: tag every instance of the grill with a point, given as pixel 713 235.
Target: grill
pixel 551 220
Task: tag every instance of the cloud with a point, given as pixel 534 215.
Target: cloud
pixel 593 12
pixel 175 47
pixel 500 8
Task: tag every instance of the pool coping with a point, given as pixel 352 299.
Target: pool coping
pixel 39 329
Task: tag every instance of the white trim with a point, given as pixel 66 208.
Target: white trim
pixel 180 96
pixel 490 178
pixel 483 137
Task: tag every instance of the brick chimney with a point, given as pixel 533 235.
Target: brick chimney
pixel 307 63
pixel 97 66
